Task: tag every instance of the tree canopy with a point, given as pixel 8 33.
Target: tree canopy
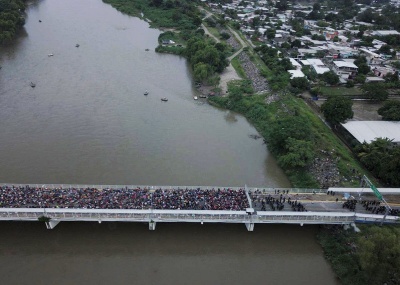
pixel 375 91
pixel 390 111
pixel 337 109
pixel 382 159
pixel 11 18
pixel 205 57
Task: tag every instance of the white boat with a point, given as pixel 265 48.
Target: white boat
pixel 50 54
pixel 146 93
pixel 202 96
pixel 164 99
pixel 195 98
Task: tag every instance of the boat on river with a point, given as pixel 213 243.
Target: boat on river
pixel 202 96
pixel 50 54
pixel 146 93
pixel 33 85
pixel 77 45
pixel 164 99
pixel 195 97
pixel 146 49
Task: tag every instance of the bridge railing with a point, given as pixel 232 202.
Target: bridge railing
pixel 306 217
pixel 191 216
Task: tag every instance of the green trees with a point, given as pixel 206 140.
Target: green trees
pixel 390 111
pixel 379 254
pixel 370 257
pixel 291 139
pixel 299 153
pixel 337 109
pixel 205 57
pixel 270 33
pixel 11 18
pixel 300 83
pixel 382 159
pixel 362 65
pixel 375 91
pixel 330 77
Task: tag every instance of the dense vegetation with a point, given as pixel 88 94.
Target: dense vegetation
pixel 337 109
pixel 11 18
pixel 270 56
pixel 206 57
pixel 292 131
pixel 390 111
pixel 370 257
pixel 181 14
pixel 382 159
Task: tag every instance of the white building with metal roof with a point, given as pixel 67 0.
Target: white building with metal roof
pixel 368 131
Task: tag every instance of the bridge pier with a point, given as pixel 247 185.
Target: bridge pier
pixel 250 226
pixel 152 226
pixel 51 224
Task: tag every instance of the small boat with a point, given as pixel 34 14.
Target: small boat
pixel 164 99
pixel 50 54
pixel 40 21
pixel 146 49
pixel 202 96
pixel 146 93
pixel 77 45
pixel 195 97
pixel 33 85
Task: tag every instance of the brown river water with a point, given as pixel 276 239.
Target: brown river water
pixel 87 122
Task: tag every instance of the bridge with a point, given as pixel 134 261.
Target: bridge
pixel 320 207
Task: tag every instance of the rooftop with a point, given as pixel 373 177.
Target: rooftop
pixel 370 130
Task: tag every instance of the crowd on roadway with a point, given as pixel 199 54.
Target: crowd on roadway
pixel 276 201
pixel 123 198
pixel 372 206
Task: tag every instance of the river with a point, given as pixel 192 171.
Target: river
pixel 87 122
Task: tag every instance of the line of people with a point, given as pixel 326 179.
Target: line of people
pixel 123 198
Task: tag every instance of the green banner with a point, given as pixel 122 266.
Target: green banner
pixel 377 193
pixel 373 187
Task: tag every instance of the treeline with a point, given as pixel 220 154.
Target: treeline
pixel 370 257
pixel 387 18
pixel 382 158
pixel 180 14
pixel 11 18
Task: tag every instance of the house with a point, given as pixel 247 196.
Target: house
pixel 345 69
pixel 295 64
pixel 296 74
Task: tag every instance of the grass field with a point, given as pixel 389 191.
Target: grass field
pixel 340 90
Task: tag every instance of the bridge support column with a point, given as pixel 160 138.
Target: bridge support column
pixel 51 224
pixel 250 226
pixel 152 226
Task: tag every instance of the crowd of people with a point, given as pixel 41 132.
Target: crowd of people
pixel 372 206
pixel 123 198
pixel 276 201
pixel 375 207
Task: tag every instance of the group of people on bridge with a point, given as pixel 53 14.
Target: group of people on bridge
pixel 123 198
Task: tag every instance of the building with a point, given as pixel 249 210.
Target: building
pixel 368 131
pixel 345 69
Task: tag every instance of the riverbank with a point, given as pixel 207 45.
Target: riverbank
pixel 329 162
